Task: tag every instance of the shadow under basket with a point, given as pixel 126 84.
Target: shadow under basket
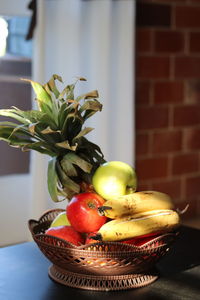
pixel 102 266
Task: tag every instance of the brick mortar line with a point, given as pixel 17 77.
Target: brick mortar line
pixel 170 117
pixel 151 93
pixel 172 154
pixel 167 29
pixel 153 104
pixel 183 185
pixel 172 178
pixel 169 166
pixel 167 128
pixel 171 68
pixel 163 105
pixel 161 180
pixel 186 97
pixel 151 142
pixel 173 16
pixel 186 42
pixel 171 131
pixel 184 138
pixel 169 3
pixel 160 80
pixel 159 130
pixel 177 3
pixel 168 55
pixel 167 78
pixel 163 129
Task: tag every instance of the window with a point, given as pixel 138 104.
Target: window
pixel 16 40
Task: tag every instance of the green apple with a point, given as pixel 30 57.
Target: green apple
pixel 114 178
pixel 60 220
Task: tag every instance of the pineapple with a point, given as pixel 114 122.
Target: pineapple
pixel 56 129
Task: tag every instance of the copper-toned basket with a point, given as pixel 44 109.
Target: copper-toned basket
pixel 99 266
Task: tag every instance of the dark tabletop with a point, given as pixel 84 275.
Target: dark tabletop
pixel 24 275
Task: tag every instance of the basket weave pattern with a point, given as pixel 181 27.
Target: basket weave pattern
pixel 98 266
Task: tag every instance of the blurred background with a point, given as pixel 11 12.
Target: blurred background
pixel 91 39
pixel 143 57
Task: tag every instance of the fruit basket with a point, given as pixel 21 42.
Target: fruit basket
pixel 99 266
pixel 102 196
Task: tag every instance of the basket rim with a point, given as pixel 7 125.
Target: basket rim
pixel 127 248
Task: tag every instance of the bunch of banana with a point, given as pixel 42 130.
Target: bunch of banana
pixel 137 214
pixel 138 225
pixel 134 203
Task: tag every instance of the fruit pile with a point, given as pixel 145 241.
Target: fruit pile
pixel 103 204
pixel 112 210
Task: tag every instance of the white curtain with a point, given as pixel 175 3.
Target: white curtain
pixel 93 39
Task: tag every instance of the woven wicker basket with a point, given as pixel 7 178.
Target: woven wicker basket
pixel 99 266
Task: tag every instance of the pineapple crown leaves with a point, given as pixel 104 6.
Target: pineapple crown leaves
pixel 56 129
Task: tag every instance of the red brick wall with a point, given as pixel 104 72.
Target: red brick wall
pixel 168 99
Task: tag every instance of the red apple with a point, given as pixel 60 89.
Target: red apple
pixel 67 233
pixel 139 241
pixel 82 212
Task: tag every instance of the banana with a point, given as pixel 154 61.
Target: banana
pixel 135 203
pixel 141 224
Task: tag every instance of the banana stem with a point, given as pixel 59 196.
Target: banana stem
pixel 101 210
pixel 97 237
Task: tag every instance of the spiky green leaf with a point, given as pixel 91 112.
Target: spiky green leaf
pixel 52 180
pixel 68 167
pixel 44 99
pixel 90 151
pixel 48 130
pixel 68 92
pixel 72 126
pixel 12 113
pixel 52 85
pixel 6 134
pixel 76 160
pixel 30 116
pixel 90 95
pixel 66 145
pixel 89 108
pixel 66 181
pixel 83 132
pixel 40 147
